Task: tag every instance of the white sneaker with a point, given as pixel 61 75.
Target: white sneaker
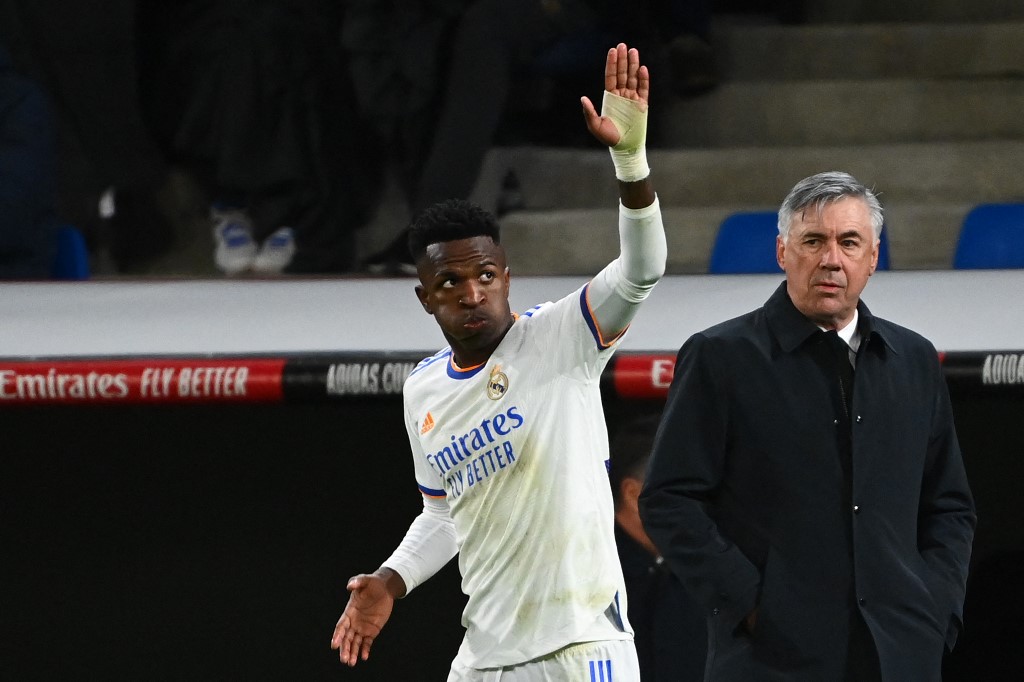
pixel 232 233
pixel 277 252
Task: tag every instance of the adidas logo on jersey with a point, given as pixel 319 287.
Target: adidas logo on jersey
pixel 428 423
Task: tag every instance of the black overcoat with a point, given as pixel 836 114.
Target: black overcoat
pixel 761 492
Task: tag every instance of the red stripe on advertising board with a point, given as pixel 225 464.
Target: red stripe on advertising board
pixel 643 376
pixel 140 381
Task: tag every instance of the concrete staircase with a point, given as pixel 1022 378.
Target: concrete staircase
pixel 930 114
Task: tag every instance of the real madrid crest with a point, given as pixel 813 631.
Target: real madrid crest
pixel 497 383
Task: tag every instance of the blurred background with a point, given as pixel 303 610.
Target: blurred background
pixel 252 137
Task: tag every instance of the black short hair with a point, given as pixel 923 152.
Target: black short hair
pixel 630 449
pixel 448 221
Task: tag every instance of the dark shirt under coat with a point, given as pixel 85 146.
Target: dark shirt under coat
pixel 670 631
pixel 752 504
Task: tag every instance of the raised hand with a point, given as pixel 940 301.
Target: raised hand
pixel 625 77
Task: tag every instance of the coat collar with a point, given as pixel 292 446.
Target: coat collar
pixel 792 329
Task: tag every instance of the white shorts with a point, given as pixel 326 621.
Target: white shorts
pixel 611 660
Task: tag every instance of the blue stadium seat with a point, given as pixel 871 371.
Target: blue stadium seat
pixel 746 244
pixel 991 237
pixel 72 261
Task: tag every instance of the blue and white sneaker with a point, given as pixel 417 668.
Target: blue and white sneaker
pixel 235 246
pixel 277 252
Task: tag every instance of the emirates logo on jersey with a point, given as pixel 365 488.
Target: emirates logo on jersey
pixel 497 383
pixel 428 423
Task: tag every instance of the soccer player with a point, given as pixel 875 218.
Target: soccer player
pixel 509 440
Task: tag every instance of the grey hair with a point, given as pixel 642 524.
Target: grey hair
pixel 817 190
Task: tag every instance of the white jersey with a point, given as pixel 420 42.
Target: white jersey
pixel 518 449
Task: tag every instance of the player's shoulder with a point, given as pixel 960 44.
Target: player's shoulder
pixel 538 310
pixel 438 359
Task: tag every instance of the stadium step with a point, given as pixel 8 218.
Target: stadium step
pixel 745 178
pixel 569 206
pixel 915 10
pixel 762 53
pixel 920 102
pixel 845 112
pixel 853 83
pixel 582 241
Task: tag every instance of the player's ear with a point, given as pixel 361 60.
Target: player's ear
pixel 421 294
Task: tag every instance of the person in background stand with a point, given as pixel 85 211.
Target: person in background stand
pixel 821 515
pixel 443 81
pixel 669 628
pixel 508 436
pixel 28 182
pixel 254 99
pixel 111 174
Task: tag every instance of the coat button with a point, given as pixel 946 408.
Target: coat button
pixel 862 601
pixel 714 612
pixel 858 419
pixel 856 509
pixel 835 422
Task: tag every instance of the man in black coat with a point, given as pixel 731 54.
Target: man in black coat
pixel 806 483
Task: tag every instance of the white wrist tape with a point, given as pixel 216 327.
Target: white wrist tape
pixel 630 154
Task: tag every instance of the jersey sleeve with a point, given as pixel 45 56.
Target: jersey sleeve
pixel 430 542
pixel 428 545
pixel 580 331
pixel 427 479
pixel 615 293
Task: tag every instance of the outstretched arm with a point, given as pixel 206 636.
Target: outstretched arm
pixel 371 598
pixel 427 546
pixel 622 124
pixel 616 292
